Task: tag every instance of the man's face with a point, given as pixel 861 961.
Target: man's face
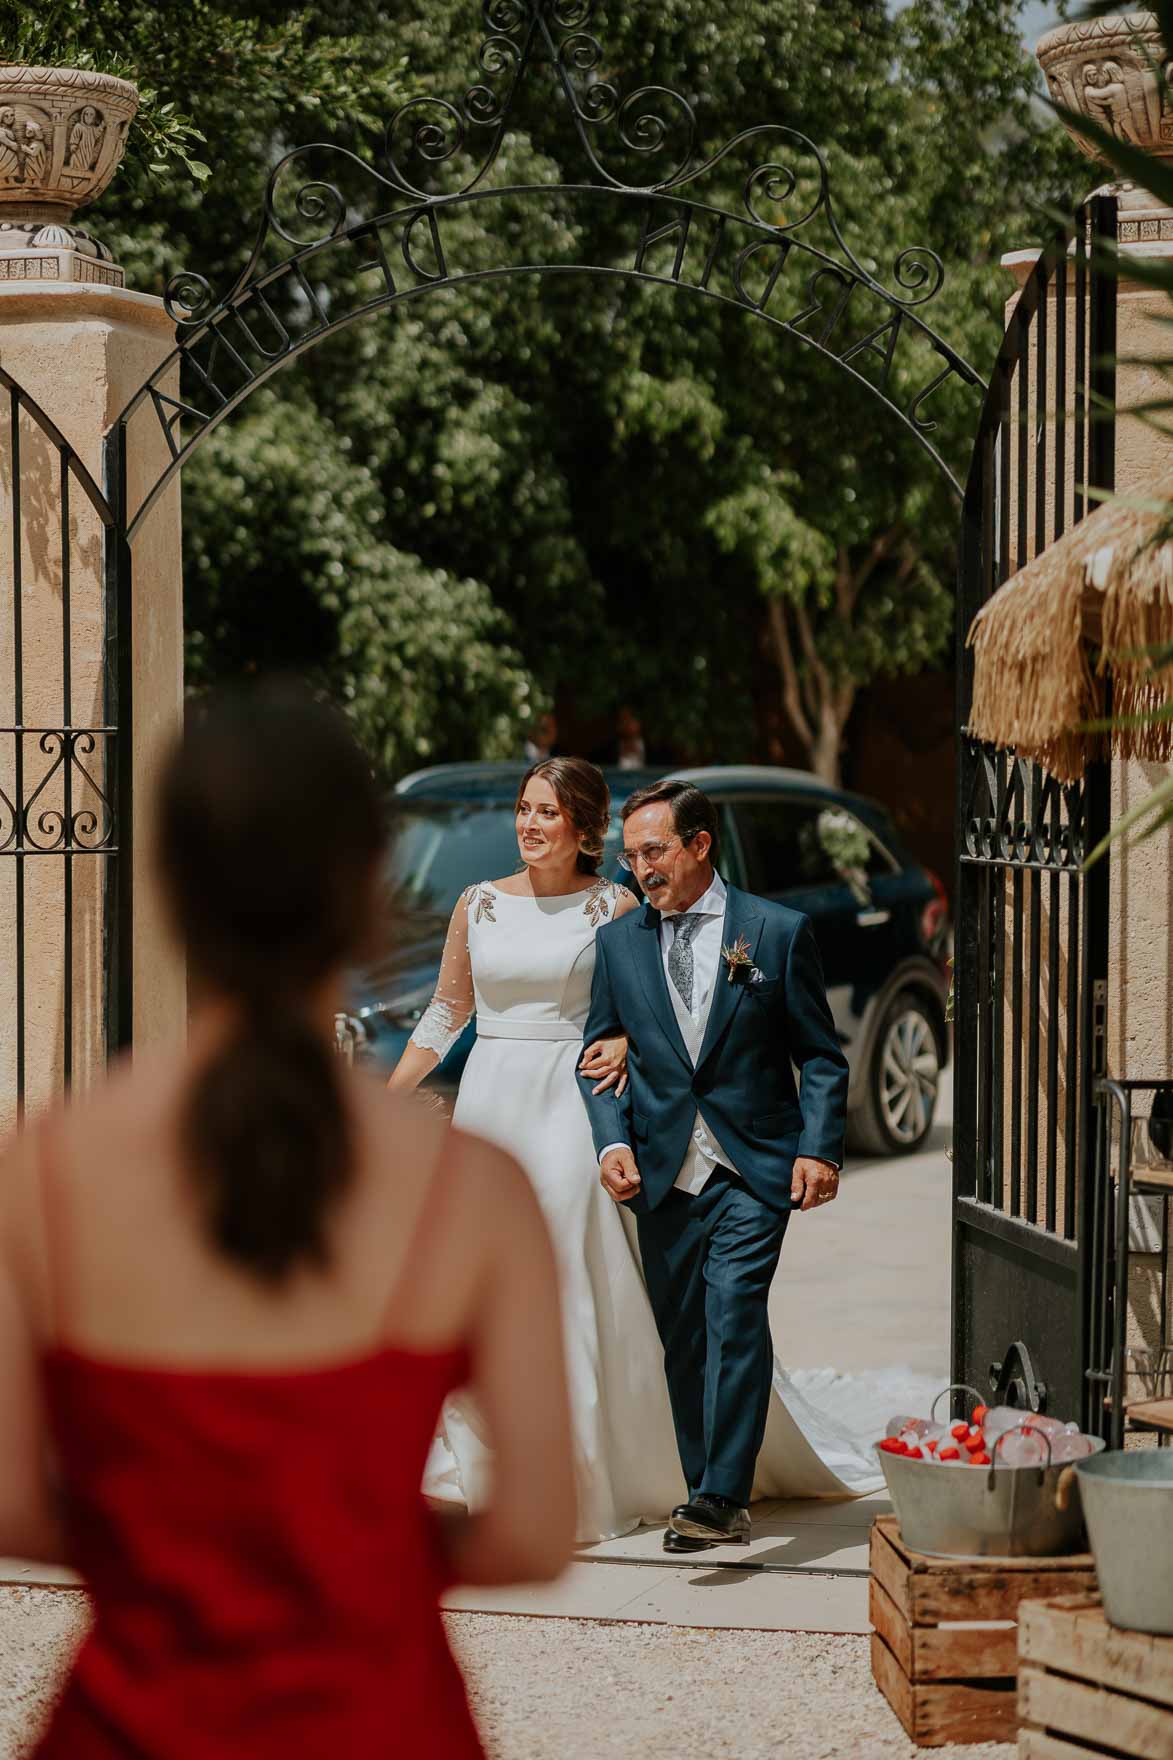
pixel 675 874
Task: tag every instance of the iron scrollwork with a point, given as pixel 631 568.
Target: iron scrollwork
pixel 769 240
pixel 65 811
pixel 1017 816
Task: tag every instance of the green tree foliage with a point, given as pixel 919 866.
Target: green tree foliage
pixel 411 649
pixel 611 491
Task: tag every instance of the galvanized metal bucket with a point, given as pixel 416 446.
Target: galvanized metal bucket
pixel 997 1511
pixel 1128 1502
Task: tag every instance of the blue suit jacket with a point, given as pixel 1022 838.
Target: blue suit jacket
pixel 743 1083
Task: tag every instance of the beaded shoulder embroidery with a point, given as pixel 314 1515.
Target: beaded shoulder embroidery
pixel 480 902
pixel 599 900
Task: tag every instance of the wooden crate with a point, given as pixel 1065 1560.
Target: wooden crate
pixel 1150 1414
pixel 945 1638
pixel 1085 1688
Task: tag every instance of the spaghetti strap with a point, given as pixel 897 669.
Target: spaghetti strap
pixel 417 1267
pixel 52 1202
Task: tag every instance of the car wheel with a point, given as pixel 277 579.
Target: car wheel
pixel 896 1114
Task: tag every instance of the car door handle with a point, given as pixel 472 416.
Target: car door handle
pixel 873 919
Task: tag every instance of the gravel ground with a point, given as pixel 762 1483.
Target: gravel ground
pixel 39 1630
pixel 561 1689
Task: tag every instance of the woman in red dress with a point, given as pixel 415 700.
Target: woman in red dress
pixel 236 1284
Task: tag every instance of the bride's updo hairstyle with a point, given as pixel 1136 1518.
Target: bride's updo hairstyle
pixel 584 797
pixel 270 828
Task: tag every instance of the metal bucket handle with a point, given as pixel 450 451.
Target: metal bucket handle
pixel 953 1387
pixel 1018 1430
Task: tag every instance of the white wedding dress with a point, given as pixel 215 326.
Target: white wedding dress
pixel 526 965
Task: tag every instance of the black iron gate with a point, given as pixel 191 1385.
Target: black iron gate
pixel 1032 928
pixel 58 848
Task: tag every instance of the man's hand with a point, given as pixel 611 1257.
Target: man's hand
pixel 619 1174
pixel 813 1182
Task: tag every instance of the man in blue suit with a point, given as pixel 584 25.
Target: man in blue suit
pixel 720 995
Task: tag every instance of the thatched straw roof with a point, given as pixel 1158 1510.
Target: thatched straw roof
pixel 1045 642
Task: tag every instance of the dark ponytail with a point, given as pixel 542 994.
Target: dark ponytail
pixel 269 831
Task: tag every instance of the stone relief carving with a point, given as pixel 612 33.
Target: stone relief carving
pixel 36 153
pixel 10 155
pixel 62 136
pixel 1107 98
pixel 87 131
pixel 1108 70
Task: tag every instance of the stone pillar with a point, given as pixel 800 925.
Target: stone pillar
pixel 81 351
pixel 1140 950
pixel 1106 69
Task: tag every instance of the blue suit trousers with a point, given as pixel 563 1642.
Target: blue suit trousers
pixel 709 1260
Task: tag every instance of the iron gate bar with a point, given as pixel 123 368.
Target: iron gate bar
pixel 1101 444
pixel 118 683
pixel 18 735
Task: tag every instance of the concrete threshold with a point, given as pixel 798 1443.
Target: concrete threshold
pixel 749 1564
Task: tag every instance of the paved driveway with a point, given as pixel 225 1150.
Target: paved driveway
pixel 864 1282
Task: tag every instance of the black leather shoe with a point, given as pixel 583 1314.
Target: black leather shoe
pixel 716 1519
pixel 674 1542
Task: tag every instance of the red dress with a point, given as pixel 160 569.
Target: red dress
pixel 264 1571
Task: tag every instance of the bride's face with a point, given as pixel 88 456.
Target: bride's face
pixel 545 836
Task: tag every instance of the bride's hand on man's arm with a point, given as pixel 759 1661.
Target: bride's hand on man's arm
pixel 606 1060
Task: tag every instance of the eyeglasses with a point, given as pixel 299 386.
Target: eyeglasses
pixel 647 853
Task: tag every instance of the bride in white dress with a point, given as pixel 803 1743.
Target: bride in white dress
pixel 520 952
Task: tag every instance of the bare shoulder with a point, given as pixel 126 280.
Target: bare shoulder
pixel 401 1128
pixel 85 1145
pixel 18 1160
pixel 624 902
pixel 621 906
pixel 130 1106
pixel 495 1214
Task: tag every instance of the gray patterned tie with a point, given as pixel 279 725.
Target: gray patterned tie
pixel 680 954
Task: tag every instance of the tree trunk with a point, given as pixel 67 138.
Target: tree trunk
pixel 817 706
pixel 826 752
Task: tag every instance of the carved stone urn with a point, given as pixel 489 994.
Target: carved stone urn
pixel 1107 69
pixel 62 136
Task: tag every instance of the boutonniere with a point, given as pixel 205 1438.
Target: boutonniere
pixel 740 968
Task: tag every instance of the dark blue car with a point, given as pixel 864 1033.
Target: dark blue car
pixel 881 919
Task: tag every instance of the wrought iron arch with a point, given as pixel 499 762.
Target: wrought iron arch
pixel 760 257
pixel 639 152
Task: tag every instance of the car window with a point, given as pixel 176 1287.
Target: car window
pixel 791 845
pixel 437 851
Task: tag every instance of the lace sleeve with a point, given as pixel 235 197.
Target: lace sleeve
pixel 451 1007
